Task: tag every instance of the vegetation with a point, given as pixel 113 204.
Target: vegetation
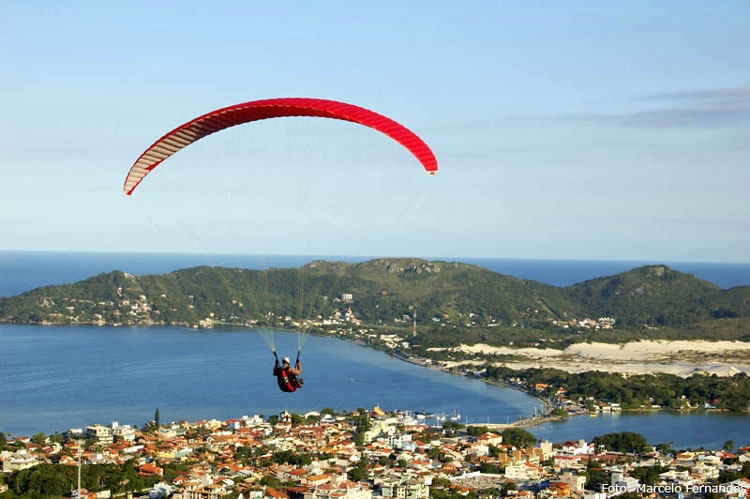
pixel 475 431
pixel 518 437
pixel 55 480
pixel 648 475
pixel 595 475
pixel 361 425
pixel 638 391
pixel 727 476
pixel 656 295
pixel 452 299
pixel 559 413
pixel 624 441
pixel 456 303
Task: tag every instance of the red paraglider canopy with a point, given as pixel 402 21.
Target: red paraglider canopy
pixel 218 120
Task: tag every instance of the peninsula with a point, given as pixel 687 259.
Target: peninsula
pixel 449 315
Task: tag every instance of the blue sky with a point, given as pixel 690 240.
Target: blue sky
pixel 568 130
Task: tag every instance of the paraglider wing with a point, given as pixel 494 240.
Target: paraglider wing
pixel 220 119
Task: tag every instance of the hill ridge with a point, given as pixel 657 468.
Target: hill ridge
pixel 379 291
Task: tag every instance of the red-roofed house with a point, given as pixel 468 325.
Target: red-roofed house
pixel 150 469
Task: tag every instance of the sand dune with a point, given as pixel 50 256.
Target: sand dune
pixel 682 358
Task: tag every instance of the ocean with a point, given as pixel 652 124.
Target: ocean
pixel 61 377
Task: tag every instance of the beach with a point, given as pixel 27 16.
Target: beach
pixel 681 358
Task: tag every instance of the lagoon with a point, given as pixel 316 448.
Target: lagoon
pixel 55 378
pixel 60 377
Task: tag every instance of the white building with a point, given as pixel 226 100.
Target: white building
pixel 621 483
pixel 577 482
pixel 523 471
pixel 18 461
pixel 575 448
pixel 340 489
pixel 122 433
pixel 406 487
pixel 210 491
pixel 102 434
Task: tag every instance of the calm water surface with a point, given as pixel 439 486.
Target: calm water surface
pixel 56 378
pixel 707 430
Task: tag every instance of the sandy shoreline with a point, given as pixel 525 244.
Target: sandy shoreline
pixel 682 358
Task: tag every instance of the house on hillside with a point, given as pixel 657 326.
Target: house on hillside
pixel 405 487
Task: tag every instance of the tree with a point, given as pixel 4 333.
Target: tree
pixel 450 427
pixel 475 431
pixel 38 438
pixel 647 474
pixel 362 424
pixel 624 441
pixel 298 419
pixel 489 468
pixel 508 486
pixel 271 481
pixel 595 476
pixel 292 458
pixel 157 421
pixel 441 482
pixel 358 473
pixel 666 448
pixel 518 437
pixel 559 412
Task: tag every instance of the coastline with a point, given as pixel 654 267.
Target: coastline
pixel 678 357
pixel 521 419
pixel 626 359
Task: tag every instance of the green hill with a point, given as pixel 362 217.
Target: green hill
pixel 377 292
pixel 657 295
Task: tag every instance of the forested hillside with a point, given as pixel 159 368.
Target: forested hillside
pixel 378 292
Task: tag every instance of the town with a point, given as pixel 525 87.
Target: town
pixel 366 454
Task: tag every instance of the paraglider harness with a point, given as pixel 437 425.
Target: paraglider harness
pixel 288 382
